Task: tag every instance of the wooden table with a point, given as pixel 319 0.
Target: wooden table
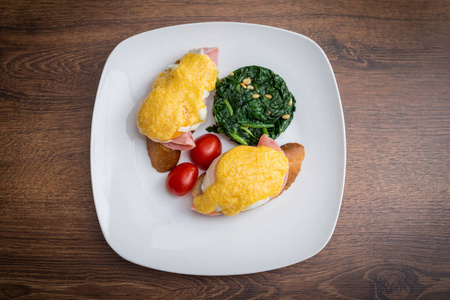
pixel 392 65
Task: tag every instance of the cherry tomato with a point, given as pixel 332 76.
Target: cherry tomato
pixel 181 179
pixel 207 148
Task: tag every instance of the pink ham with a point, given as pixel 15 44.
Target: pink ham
pixel 264 140
pixel 183 142
pixel 213 53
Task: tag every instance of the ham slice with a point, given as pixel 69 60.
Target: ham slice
pixel 213 53
pixel 264 140
pixel 183 142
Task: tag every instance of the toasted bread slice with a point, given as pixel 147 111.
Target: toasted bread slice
pixel 163 159
pixel 295 154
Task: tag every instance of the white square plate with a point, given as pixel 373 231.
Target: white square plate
pixel 146 225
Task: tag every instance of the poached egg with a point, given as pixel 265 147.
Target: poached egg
pixel 176 103
pixel 243 178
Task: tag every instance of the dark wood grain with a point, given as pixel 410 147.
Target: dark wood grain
pixel 392 64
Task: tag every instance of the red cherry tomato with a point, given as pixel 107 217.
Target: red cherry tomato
pixel 181 179
pixel 207 148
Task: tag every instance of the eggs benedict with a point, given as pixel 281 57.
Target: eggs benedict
pixel 176 105
pixel 247 177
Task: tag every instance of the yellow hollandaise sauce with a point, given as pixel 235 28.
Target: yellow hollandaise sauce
pixel 177 97
pixel 244 176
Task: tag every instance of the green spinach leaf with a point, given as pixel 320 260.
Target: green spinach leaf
pixel 250 102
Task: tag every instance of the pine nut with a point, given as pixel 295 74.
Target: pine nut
pixel 290 102
pixel 285 117
pixel 250 87
pixel 231 74
pixel 268 96
pixel 255 96
pixel 243 85
pixel 247 80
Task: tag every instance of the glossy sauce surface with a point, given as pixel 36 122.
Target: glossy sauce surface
pixel 177 98
pixel 244 176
